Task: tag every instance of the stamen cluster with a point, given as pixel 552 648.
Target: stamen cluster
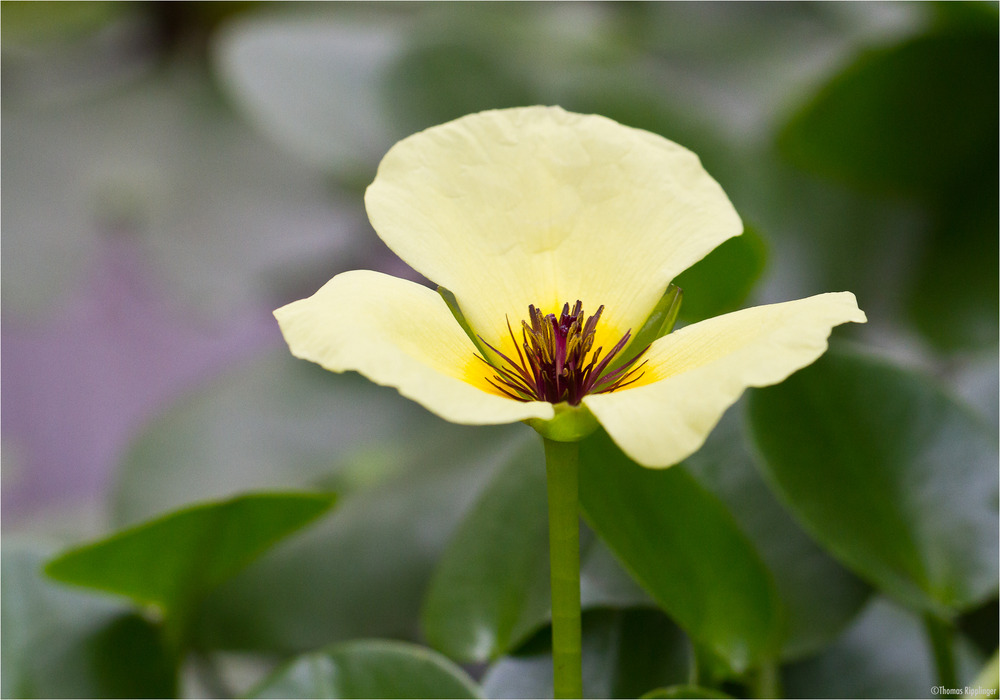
pixel 554 365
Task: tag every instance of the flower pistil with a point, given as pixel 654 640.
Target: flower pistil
pixel 556 364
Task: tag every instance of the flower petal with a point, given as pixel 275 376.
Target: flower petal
pixel 696 373
pixel 400 334
pixel 537 205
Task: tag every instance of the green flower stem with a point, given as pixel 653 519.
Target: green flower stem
pixel 767 681
pixel 942 639
pixel 561 464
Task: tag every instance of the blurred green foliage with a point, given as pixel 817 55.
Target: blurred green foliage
pixel 723 279
pixel 822 519
pixel 624 651
pixel 361 669
pixel 37 23
pixel 63 642
pixel 174 561
pixel 918 120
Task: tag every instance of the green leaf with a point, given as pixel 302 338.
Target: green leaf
pixel 954 298
pixel 369 669
pixel 403 476
pixel 721 281
pixel 918 121
pixel 174 560
pixel 890 474
pixel 819 596
pixel 490 590
pixel 686 550
pixel 60 642
pixel 625 652
pixel 904 119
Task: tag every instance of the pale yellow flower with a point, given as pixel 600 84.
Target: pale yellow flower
pixel 538 207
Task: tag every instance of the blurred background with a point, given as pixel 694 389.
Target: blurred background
pixel 174 171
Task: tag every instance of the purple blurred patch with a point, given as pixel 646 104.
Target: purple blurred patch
pixel 78 384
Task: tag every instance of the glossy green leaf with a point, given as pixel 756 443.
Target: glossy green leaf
pixel 603 580
pixel 625 652
pixel 61 642
pixel 905 119
pixel 891 475
pixel 685 548
pixel 173 561
pixel 721 281
pixel 369 669
pixel 819 596
pixel 490 589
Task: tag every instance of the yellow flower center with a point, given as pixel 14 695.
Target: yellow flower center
pixel 556 364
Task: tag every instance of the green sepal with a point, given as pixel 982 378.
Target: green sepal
pixel 570 424
pixel 452 301
pixel 659 323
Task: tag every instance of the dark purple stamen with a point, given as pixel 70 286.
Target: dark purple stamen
pixel 554 366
